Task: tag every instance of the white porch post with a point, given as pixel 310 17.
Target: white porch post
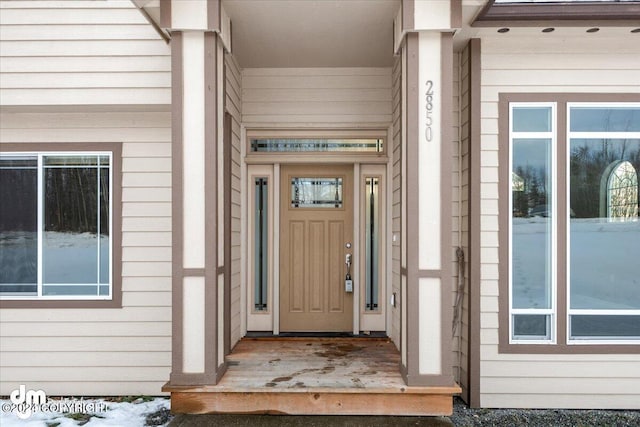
pixel 199 313
pixel 425 42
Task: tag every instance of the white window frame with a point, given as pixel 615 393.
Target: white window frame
pixel 261 320
pixel 591 135
pixel 551 312
pixel 40 218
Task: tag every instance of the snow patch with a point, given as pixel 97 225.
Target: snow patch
pixel 118 414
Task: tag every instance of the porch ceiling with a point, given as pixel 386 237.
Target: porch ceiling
pixel 322 33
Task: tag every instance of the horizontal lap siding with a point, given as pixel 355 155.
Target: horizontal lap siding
pixel 121 351
pixel 395 203
pixel 455 201
pixel 462 90
pixel 81 52
pixel 233 88
pixel 317 95
pixel 527 65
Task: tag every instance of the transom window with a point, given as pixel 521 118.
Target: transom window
pixel 582 248
pixel 283 145
pixel 55 225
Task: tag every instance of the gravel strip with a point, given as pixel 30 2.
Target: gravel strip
pixel 465 417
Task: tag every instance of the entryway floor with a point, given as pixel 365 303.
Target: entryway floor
pixel 328 376
pixel 336 363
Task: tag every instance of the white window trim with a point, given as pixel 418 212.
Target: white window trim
pixel 40 218
pixel 593 312
pixel 260 320
pixel 551 312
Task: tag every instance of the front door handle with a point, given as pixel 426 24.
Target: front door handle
pixel 348 283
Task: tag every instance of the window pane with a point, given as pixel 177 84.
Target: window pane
pixel 104 223
pixel 532 119
pixel 80 290
pixel 261 240
pixel 531 326
pixel 598 119
pixel 604 226
pixel 603 326
pixel 372 236
pixel 531 223
pixel 316 192
pixel 66 161
pixel 316 145
pixel 71 228
pixel 18 225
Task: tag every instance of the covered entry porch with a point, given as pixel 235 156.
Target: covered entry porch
pixel 329 376
pixel 225 95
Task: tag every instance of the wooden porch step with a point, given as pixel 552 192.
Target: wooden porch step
pixel 343 376
pixel 315 402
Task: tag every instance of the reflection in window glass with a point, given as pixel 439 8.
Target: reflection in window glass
pixel 531 224
pixel 74 232
pixel 605 327
pixel 70 239
pixel 531 119
pixel 604 296
pixel 372 246
pixel 532 229
pixel 18 225
pixel 604 252
pixel 105 221
pixel 622 193
pixel 601 119
pixel 316 192
pixel 531 326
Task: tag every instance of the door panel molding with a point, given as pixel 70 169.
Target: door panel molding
pixel 312 256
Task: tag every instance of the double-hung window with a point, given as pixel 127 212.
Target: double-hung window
pixel 56 225
pixel 573 221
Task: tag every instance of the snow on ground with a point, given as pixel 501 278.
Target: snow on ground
pixel 67 257
pixel 121 414
pixel 604 268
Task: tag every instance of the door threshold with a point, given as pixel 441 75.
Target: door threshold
pixel 260 334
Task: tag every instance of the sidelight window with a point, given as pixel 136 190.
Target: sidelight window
pixel 261 241
pixel 532 222
pixel 372 242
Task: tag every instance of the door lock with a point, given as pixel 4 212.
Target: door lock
pixel 348 282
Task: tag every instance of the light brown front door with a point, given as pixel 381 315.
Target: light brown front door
pixel 316 224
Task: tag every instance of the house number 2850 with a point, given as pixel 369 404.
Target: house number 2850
pixel 428 132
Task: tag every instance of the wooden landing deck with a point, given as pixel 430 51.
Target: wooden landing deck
pixel 329 376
